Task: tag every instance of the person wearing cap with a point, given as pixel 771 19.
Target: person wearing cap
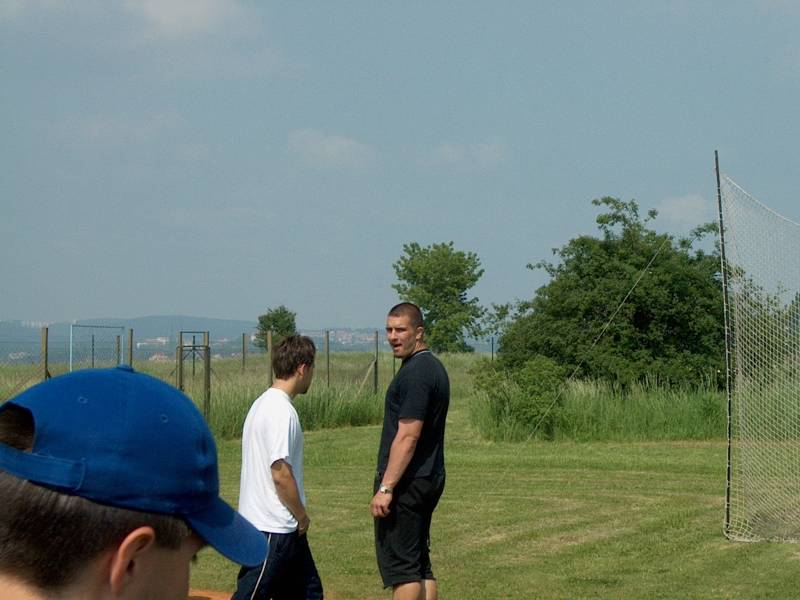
pixel 108 488
pixel 410 476
pixel 272 494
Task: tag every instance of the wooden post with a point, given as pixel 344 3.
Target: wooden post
pixel 269 357
pixel 130 348
pixel 375 372
pixel 244 350
pixel 328 357
pixel 43 354
pixel 207 383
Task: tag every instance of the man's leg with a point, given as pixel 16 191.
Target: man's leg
pixel 259 582
pixel 412 590
pixel 302 577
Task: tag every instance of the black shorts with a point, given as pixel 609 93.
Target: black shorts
pixel 403 537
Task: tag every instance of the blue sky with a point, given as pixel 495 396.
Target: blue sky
pixel 217 158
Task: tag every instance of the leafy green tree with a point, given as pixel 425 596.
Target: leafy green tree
pixel 670 326
pixel 280 321
pixel 436 278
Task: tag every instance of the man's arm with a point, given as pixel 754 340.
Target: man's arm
pixel 286 488
pixel 400 454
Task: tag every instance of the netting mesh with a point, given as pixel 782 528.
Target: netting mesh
pixel 95 346
pixel 761 252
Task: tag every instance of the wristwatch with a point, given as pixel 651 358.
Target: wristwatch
pixel 385 489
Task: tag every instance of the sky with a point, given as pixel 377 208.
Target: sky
pixel 219 158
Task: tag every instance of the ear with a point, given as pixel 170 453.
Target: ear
pixel 420 332
pixel 126 559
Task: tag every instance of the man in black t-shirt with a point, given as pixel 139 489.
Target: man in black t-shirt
pixel 410 476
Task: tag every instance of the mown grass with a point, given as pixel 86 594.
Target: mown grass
pixel 549 520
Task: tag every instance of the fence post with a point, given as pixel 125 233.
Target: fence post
pixel 328 357
pixel 375 372
pixel 269 357
pixel 207 383
pixel 194 355
pixel 43 354
pixel 130 348
pixel 119 349
pixel 492 347
pixel 179 359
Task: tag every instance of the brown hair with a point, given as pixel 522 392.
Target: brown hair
pixel 410 310
pixel 290 353
pixel 47 537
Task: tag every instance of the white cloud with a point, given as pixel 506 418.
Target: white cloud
pixel 686 211
pixel 471 156
pixel 187 18
pixel 328 151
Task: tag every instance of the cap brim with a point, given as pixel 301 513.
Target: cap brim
pixel 229 533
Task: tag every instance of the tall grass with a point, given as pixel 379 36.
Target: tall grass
pixel 598 411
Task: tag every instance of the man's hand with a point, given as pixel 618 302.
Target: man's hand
pixel 303 525
pixel 380 504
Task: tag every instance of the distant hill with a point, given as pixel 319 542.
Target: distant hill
pixel 158 334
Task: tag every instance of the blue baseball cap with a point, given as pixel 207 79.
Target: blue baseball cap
pixel 125 439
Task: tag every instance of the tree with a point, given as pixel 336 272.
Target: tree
pixel 436 278
pixel 280 321
pixel 670 327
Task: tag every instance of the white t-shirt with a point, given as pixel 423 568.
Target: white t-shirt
pixel 271 432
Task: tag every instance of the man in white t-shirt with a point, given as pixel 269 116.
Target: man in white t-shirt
pixel 272 496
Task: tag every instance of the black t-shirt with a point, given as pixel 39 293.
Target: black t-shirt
pixel 420 390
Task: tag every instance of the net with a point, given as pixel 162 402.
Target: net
pixel 763 319
pixel 95 346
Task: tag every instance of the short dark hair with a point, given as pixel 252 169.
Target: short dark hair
pixel 290 353
pixel 410 310
pixel 46 536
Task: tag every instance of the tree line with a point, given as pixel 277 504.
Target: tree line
pixel 589 318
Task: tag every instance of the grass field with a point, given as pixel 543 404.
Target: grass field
pixel 537 520
pixel 614 515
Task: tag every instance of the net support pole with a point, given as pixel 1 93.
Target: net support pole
pixel 728 372
pixel 327 358
pixel 269 357
pixel 44 356
pixel 206 382
pixel 375 373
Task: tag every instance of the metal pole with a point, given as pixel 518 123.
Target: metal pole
pixel 194 356
pixel 70 347
pixel 375 372
pixel 179 358
pixel 244 350
pixel 45 372
pixel 119 350
pixel 269 357
pixel 130 347
pixel 207 383
pixel 492 347
pixel 328 357
pixel 728 343
pixel 93 351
